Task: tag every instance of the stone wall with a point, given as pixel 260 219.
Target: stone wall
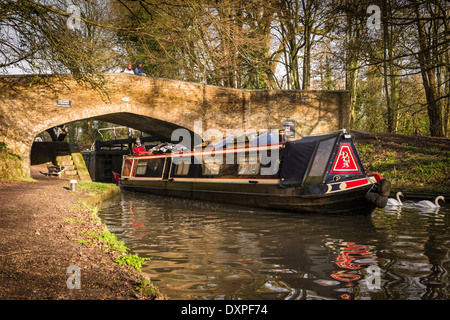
pixel 28 106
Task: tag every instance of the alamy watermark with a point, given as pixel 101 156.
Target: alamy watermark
pixel 374 21
pixel 234 138
pixel 74 21
pixel 74 281
pixel 373 278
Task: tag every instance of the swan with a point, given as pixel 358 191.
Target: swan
pixel 429 204
pixel 393 202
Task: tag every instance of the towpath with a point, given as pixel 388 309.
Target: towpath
pixel 38 244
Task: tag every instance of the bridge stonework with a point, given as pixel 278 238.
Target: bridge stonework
pixel 28 106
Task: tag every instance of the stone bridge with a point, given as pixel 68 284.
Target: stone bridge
pixel 28 106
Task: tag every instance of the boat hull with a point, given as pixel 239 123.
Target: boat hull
pixel 259 195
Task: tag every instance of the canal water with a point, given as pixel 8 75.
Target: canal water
pixel 202 250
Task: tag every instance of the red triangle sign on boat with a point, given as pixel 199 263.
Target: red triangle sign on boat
pixel 345 161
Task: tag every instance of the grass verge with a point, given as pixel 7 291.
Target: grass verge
pixel 95 233
pixel 409 168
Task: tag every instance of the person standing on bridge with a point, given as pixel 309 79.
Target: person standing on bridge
pixel 138 148
pixel 138 71
pixel 129 69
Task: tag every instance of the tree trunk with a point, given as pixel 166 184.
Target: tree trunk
pixel 389 71
pixel 353 35
pixel 306 83
pixel 428 78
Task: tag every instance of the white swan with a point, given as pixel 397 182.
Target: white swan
pixel 393 202
pixel 429 204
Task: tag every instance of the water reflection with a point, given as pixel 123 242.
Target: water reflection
pixel 350 257
pixel 415 251
pixel 202 250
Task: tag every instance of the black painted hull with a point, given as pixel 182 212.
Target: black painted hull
pixel 268 196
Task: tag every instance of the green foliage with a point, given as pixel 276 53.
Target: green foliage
pixel 412 149
pixel 101 239
pixel 11 165
pixel 93 188
pixel 408 167
pixel 131 260
pixel 112 241
pixel 146 287
pixel 106 239
pixel 432 151
pixel 71 220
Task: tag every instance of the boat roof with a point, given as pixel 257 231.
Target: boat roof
pixel 253 139
pixel 266 138
pixel 272 137
pixel 299 154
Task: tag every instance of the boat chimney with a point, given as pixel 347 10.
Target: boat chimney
pixel 281 136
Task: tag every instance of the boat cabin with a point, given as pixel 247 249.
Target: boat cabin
pixel 265 166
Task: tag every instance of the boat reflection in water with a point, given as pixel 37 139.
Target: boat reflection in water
pixel 319 174
pixel 201 250
pixel 350 257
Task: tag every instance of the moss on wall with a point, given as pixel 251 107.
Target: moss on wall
pixel 11 165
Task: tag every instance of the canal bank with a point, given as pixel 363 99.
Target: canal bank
pixel 417 166
pixel 45 228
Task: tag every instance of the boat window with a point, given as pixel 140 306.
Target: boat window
pixel 141 167
pixel 197 159
pixel 210 169
pixel 248 164
pixel 320 162
pixel 248 169
pixel 126 168
pixel 150 168
pixel 182 168
pixel 270 162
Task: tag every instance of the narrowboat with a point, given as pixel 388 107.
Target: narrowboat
pixel 317 174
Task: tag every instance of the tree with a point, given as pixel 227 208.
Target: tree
pixel 276 44
pixel 39 38
pixel 351 29
pixel 389 69
pixel 428 64
pixel 215 42
pixel 301 25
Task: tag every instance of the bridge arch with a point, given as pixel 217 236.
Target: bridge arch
pixel 158 106
pixel 159 129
